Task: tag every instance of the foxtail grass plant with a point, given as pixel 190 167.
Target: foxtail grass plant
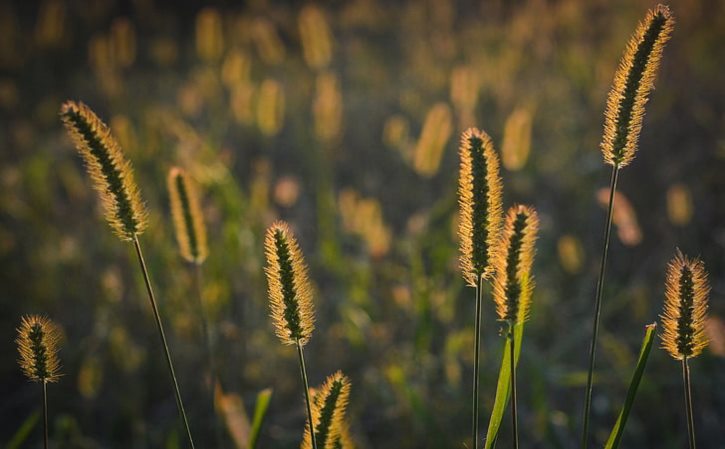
pixel 112 176
pixel 633 82
pixel 479 198
pixel 328 414
pixel 513 283
pixel 190 233
pixel 683 320
pixel 38 340
pixel 290 299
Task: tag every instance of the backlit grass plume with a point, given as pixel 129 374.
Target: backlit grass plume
pixel 290 293
pixel 683 320
pixel 513 283
pixel 38 339
pixel 110 171
pixel 187 216
pixel 328 413
pixel 633 82
pixel 112 178
pixel 479 198
pixel 290 299
pixel 685 309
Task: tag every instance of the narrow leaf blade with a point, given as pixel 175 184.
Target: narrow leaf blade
pixel 503 388
pixel 616 435
pixel 260 411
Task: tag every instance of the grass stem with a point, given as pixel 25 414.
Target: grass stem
pixel 598 308
pixel 162 335
pixel 303 372
pixel 476 359
pixel 45 415
pixel 514 409
pixel 688 402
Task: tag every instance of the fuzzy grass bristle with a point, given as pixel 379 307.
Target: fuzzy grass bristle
pixel 479 199
pixel 633 82
pixel 38 340
pixel 685 308
pixel 513 282
pixel 188 219
pixel 290 292
pixel 328 413
pixel 110 171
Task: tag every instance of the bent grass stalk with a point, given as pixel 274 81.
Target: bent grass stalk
pixel 479 199
pixel 633 82
pixel 112 177
pixel 38 339
pixel 290 298
pixel 683 321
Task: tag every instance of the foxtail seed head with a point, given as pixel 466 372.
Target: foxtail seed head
pixel 290 293
pixel 328 413
pixel 110 171
pixel 513 282
pixel 685 309
pixel 38 340
pixel 479 198
pixel 187 216
pixel 633 82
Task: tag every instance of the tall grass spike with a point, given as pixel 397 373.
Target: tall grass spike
pixel 187 216
pixel 479 198
pixel 110 171
pixel 633 82
pixel 290 292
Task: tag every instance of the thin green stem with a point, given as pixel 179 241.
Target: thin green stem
pixel 45 414
pixel 598 307
pixel 206 330
pixel 688 402
pixel 162 335
pixel 514 409
pixel 476 359
pixel 303 373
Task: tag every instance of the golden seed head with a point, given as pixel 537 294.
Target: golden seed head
pixel 513 282
pixel 479 199
pixel 633 82
pixel 38 340
pixel 110 171
pixel 187 216
pixel 328 413
pixel 685 309
pixel 290 292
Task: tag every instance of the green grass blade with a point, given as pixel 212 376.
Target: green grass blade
pixel 260 411
pixel 23 431
pixel 616 435
pixel 503 388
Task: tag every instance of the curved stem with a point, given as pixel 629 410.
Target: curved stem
pixel 514 409
pixel 45 415
pixel 303 372
pixel 688 402
pixel 476 359
pixel 598 307
pixel 162 335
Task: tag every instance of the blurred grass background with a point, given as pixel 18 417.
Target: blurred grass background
pixel 343 118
